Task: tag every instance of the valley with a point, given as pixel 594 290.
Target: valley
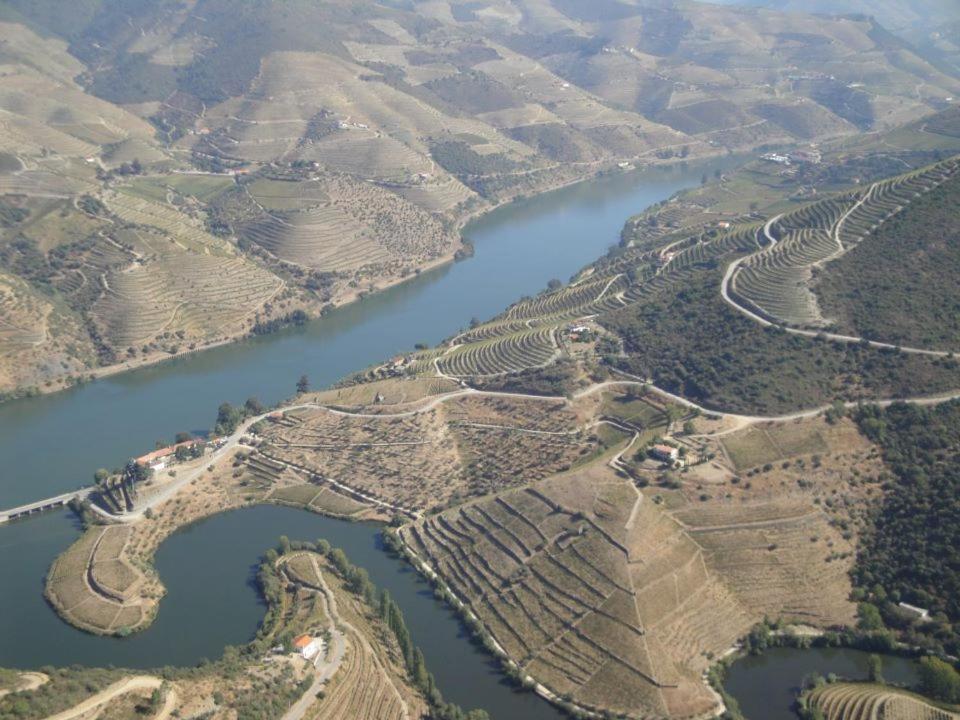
pixel 711 474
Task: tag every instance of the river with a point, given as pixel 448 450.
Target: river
pixel 53 443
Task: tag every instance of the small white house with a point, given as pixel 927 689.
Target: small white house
pixel 665 453
pixel 308 647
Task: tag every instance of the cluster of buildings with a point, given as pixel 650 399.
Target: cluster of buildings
pixel 161 458
pixel 795 157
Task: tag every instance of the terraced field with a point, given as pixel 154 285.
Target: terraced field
pixel 182 230
pixel 361 688
pixel 865 701
pixel 421 459
pixel 340 225
pixel 22 316
pixel 501 354
pixel 94 587
pixel 203 295
pixel 776 281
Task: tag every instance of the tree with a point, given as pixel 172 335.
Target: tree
pixel 939 680
pixel 228 417
pixel 869 617
pixel 554 284
pixel 875 668
pixel 303 384
pixel 253 406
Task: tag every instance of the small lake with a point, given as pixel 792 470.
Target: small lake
pixel 766 685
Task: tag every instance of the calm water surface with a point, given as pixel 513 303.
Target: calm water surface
pixel 766 685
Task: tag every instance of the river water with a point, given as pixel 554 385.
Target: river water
pixel 52 444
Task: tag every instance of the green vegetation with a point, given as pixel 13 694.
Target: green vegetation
pixel 939 680
pixel 688 341
pixel 66 688
pixel 899 285
pixel 910 554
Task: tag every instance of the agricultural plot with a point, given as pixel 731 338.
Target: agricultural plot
pixel 338 224
pixel 93 586
pixel 500 355
pixel 547 570
pixel 398 460
pixel 778 280
pixel 866 701
pixel 466 446
pixel 205 296
pixel 183 230
pixel 761 444
pixel 22 316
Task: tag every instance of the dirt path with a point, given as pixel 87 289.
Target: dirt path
pixel 28 681
pixel 122 687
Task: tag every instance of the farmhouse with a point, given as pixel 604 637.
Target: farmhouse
pixel 665 453
pixel 308 647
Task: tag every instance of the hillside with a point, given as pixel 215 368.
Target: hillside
pixel 311 153
pixel 899 284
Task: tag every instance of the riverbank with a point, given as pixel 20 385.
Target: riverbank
pixel 352 296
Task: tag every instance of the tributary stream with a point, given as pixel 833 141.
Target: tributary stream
pixel 51 444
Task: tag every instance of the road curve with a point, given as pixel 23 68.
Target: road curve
pixel 729 278
pixel 121 687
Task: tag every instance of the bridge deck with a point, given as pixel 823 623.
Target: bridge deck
pixel 41 505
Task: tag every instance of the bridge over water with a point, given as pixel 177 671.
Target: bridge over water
pixel 43 505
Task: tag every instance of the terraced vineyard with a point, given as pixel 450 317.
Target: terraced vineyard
pixel 501 354
pixel 204 295
pixel 865 701
pixel 324 237
pixel 340 225
pixel 93 587
pixel 776 281
pixel 22 317
pixel 361 688
pixel 182 230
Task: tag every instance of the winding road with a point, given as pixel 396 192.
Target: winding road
pixel 729 280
